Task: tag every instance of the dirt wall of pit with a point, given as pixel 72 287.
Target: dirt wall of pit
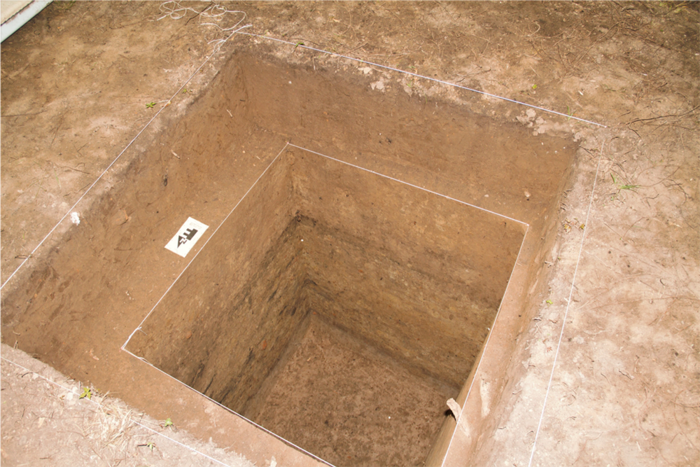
pixel 413 273
pixel 227 320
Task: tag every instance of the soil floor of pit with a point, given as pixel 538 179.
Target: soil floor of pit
pixel 350 404
pixel 77 79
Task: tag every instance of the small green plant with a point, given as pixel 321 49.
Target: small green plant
pixel 150 445
pixel 534 86
pixel 548 302
pixel 150 105
pixel 628 187
pixel 168 422
pixel 298 44
pixel 87 392
pixel 622 187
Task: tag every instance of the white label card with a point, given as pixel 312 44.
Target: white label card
pixel 185 238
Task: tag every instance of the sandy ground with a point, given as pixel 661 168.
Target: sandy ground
pixel 608 372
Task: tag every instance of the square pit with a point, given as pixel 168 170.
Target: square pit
pixel 338 308
pixel 399 278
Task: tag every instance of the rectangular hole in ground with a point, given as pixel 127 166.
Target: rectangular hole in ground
pixel 409 278
pixel 338 308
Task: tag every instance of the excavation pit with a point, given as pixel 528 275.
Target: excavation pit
pixel 412 212
pixel 411 278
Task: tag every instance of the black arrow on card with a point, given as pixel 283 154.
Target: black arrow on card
pixel 187 235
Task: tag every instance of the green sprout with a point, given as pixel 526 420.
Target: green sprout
pixel 168 422
pixel 569 112
pixel 622 187
pixel 150 445
pixel 87 392
pixel 534 86
pixel 150 105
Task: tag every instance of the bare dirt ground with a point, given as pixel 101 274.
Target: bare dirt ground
pixel 49 419
pixel 618 319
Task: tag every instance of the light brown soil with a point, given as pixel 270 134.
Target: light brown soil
pixel 346 402
pixel 625 386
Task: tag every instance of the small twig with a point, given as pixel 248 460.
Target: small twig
pixel 624 373
pixel 56 132
pixel 71 168
pixel 664 116
pixel 197 15
pixel 22 115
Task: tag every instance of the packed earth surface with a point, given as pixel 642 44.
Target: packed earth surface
pixel 122 119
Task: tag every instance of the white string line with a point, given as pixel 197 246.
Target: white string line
pixel 566 313
pixel 130 419
pixel 409 184
pixel 204 245
pixel 483 351
pixel 286 441
pixel 426 77
pixel 178 442
pixel 216 49
pixel 174 10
